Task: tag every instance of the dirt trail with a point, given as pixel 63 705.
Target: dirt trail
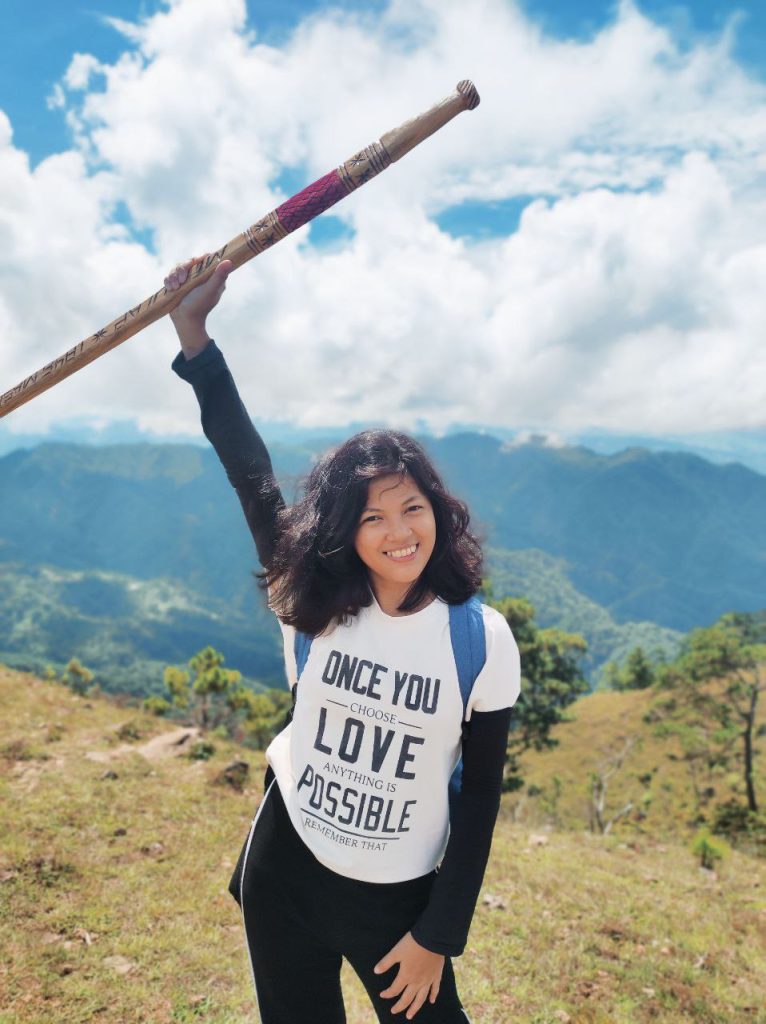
pixel 158 748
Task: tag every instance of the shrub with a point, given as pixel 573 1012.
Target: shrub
pixel 743 828
pixel 77 677
pixel 156 705
pixel 201 750
pixel 130 730
pixel 708 849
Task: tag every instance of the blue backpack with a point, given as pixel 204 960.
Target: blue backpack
pixel 469 646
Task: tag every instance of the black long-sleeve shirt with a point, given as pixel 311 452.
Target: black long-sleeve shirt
pixel 443 926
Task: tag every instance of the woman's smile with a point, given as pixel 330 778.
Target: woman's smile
pixel 403 554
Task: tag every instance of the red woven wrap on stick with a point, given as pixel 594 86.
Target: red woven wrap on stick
pixel 292 214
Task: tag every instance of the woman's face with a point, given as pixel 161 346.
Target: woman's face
pixel 396 532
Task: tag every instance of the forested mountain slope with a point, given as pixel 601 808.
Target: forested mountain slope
pixel 626 549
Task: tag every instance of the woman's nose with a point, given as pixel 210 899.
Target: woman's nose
pixel 398 530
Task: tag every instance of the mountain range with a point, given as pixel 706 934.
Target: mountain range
pixel 134 556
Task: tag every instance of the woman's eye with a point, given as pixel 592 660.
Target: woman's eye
pixel 415 508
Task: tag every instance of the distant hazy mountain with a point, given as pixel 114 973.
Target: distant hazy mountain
pixel 664 537
pixel 543 580
pixel 747 446
pixel 618 547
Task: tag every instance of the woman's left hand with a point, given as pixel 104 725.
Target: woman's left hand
pixel 418 977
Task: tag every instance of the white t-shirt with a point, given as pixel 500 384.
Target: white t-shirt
pixel 364 766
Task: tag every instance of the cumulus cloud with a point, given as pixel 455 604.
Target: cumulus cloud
pixel 629 297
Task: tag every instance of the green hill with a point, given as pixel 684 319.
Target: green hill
pixel 660 537
pixel 629 549
pixel 127 630
pixel 543 580
pixel 653 776
pixel 114 864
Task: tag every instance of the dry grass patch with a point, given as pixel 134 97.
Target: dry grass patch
pixel 113 902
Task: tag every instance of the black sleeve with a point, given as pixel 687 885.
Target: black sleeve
pixel 238 444
pixel 443 925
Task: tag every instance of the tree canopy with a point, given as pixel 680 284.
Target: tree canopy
pixel 551 679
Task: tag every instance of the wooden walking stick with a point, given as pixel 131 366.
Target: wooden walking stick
pixel 292 214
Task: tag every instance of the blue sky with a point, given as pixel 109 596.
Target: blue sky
pixel 583 251
pixel 40 37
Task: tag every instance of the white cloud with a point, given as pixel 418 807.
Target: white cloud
pixel 629 298
pixel 81 70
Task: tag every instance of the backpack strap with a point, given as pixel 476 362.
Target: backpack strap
pixel 469 646
pixel 301 647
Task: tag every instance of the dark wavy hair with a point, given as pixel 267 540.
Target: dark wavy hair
pixel 315 577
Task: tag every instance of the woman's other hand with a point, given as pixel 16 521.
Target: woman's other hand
pixel 418 977
pixel 190 315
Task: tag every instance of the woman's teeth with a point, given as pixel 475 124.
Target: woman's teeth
pixel 402 552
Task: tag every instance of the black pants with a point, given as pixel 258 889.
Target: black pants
pixel 301 919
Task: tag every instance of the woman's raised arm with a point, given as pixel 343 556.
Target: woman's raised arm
pixel 225 420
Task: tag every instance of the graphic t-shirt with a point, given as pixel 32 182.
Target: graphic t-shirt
pixel 364 766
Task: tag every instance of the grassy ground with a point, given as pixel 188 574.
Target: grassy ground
pixel 113 902
pixel 653 776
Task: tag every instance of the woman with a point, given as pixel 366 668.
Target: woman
pixel 367 574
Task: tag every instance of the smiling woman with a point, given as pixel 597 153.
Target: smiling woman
pixel 398 673
pixel 366 504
